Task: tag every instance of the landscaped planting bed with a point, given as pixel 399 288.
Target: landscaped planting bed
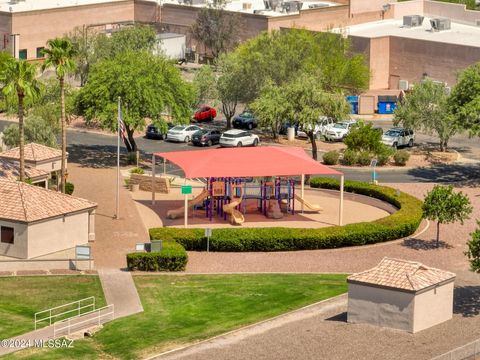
pixel 402 223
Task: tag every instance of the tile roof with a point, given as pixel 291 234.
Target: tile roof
pixel 26 203
pixel 33 152
pixel 401 274
pixel 11 171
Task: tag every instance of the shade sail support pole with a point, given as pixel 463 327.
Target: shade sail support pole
pixel 153 179
pixel 302 190
pixel 340 211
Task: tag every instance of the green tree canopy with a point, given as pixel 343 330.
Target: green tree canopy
pixel 445 206
pixel 309 102
pixel 205 85
pixel 473 252
pixel 37 130
pixel 148 87
pixel 217 29
pixel 364 138
pixel 272 108
pixel 19 77
pixel 280 56
pixel 465 100
pixel 426 109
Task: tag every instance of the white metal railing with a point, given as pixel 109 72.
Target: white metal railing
pixel 94 317
pixel 467 351
pixel 77 307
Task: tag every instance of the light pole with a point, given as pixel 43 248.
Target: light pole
pixel 14 44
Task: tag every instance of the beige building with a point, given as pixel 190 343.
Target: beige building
pixel 37 156
pixel 400 55
pixel 10 170
pixel 401 294
pixel 26 25
pixel 36 221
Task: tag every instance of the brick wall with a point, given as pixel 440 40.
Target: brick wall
pixel 162 185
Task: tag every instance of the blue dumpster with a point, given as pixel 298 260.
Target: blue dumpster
pixel 387 104
pixel 353 100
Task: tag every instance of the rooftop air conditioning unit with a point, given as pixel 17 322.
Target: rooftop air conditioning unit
pixel 317 6
pixel 403 85
pixel 440 24
pixel 292 6
pixel 246 6
pixel 413 20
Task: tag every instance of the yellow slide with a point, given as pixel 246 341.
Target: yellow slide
pixel 237 217
pixel 310 206
pixel 173 214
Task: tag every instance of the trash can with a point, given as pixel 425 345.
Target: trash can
pixel 291 133
pixel 353 101
pixel 387 104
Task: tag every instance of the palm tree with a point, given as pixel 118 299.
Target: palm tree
pixel 59 54
pixel 19 77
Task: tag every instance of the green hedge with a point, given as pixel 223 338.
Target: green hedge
pixel 173 257
pixel 402 223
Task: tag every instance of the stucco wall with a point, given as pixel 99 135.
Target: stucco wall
pixel 456 12
pixel 433 307
pixel 49 166
pixel 36 27
pixel 412 7
pixel 19 247
pixel 411 58
pixel 57 234
pixel 381 307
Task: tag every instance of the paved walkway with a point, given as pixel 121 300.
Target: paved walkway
pixel 114 237
pixel 120 290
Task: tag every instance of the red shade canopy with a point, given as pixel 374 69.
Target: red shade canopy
pixel 247 162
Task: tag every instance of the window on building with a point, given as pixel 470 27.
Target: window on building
pixel 40 52
pixel 7 235
pixel 22 54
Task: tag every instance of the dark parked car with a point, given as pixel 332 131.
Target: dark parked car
pixel 154 133
pixel 245 120
pixel 205 113
pixel 206 137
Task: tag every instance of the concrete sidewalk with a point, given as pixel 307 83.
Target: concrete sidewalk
pixel 120 290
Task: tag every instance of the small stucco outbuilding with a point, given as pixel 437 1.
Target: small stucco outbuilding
pixel 37 156
pixel 35 221
pixel 10 170
pixel 401 294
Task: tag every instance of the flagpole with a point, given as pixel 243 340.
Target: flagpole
pixel 117 202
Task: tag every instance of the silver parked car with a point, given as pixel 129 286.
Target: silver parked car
pixel 397 137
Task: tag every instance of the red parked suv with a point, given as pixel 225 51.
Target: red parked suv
pixel 205 113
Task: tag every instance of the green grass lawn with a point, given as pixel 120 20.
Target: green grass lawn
pixel 22 297
pixel 185 308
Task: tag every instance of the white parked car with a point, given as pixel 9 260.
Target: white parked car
pixel 339 130
pixel 324 124
pixel 396 137
pixel 182 133
pixel 238 138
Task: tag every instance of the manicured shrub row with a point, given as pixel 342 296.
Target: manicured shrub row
pixel 173 257
pixel 400 224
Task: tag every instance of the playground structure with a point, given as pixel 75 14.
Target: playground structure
pixel 230 197
pixel 240 180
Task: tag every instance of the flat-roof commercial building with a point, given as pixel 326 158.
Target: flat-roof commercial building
pixel 400 54
pixel 26 25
